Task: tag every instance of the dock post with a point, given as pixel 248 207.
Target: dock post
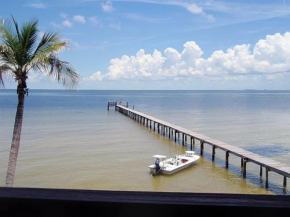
pixel 213 153
pixel 242 163
pixel 192 142
pixel 183 139
pixel 108 106
pixel 267 177
pixel 261 171
pixel 175 135
pixel 154 125
pixel 158 128
pixel 169 132
pixel 285 182
pixel 201 147
pixel 227 159
pixel 244 167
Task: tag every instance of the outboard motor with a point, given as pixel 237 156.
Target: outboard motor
pixel 157 166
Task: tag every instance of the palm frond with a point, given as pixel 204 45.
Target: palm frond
pixel 5 69
pixel 28 39
pixel 8 36
pixel 21 53
pixel 7 55
pixel 61 71
pixel 17 29
pixel 42 56
pixel 47 40
pixel 1 79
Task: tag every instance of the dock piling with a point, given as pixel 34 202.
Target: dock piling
pixel 227 159
pixel 213 153
pixel 201 147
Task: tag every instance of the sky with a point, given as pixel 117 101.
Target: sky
pixel 165 45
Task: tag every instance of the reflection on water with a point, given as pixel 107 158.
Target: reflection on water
pixel 70 140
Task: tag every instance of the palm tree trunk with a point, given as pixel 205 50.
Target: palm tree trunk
pixel 16 139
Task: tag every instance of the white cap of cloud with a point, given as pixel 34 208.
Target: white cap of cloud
pixel 79 19
pixel 107 7
pixel 67 23
pixel 97 76
pixel 193 8
pixel 137 67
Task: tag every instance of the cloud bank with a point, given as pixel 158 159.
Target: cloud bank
pixel 268 57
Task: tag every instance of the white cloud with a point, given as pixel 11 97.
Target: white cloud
pixel 270 56
pixel 55 25
pixel 107 6
pixel 94 20
pixel 63 15
pixel 67 23
pixel 38 5
pixel 79 19
pixel 188 5
pixel 193 8
pixel 116 26
pixel 97 76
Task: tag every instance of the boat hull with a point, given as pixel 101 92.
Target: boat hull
pixel 168 169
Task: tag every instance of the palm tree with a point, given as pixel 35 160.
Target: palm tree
pixel 20 53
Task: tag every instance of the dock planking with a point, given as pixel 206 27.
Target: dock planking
pixel 174 131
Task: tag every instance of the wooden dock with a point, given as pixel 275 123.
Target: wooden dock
pixel 181 134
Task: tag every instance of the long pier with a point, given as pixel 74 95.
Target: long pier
pixel 179 133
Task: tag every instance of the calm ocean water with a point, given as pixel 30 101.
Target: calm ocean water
pixel 70 140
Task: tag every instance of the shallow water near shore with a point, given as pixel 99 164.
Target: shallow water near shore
pixel 70 140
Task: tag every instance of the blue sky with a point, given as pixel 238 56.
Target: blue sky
pixel 158 44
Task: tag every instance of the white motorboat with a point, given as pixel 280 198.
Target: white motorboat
pixel 174 164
